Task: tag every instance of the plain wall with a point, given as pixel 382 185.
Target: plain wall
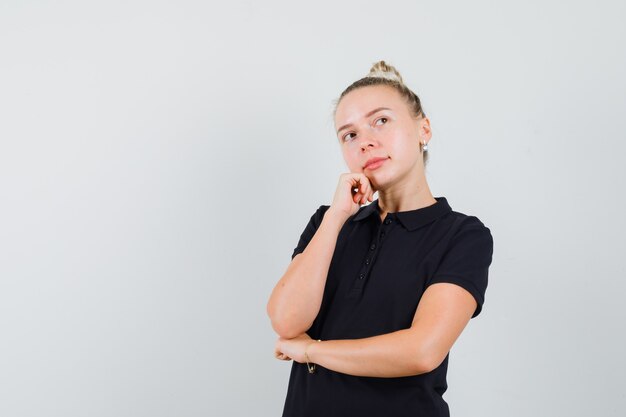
pixel 159 160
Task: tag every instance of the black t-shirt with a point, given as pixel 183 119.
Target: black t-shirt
pixel 377 275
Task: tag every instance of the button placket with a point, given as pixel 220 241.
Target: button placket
pixel 365 270
pixel 366 266
pixel 386 226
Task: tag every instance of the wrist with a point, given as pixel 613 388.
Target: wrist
pixel 310 362
pixel 337 216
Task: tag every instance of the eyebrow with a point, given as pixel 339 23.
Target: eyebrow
pixel 367 115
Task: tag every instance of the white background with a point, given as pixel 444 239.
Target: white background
pixel 159 160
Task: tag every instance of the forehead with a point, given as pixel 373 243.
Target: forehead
pixel 354 105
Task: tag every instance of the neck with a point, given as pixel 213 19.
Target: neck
pixel 392 204
pixel 411 195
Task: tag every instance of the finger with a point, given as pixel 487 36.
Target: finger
pixel 277 351
pixel 360 187
pixel 366 194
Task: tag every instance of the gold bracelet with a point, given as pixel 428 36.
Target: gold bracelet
pixel 306 357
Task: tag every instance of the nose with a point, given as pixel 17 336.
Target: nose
pixel 366 141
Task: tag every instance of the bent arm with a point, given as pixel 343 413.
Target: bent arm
pixel 296 299
pixel 442 314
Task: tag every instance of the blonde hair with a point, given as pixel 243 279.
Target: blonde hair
pixel 382 73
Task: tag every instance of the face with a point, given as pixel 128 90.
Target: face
pixel 375 122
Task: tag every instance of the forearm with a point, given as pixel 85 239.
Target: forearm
pixel 389 355
pixel 297 297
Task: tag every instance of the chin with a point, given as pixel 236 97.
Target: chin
pixel 377 184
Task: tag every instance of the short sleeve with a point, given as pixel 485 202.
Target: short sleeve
pixel 310 229
pixel 466 262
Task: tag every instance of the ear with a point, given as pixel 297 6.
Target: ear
pixel 424 131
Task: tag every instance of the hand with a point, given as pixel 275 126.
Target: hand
pixel 353 190
pixel 287 349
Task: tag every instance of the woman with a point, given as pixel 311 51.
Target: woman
pixel 376 295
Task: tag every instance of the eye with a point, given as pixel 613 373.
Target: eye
pixel 382 118
pixel 346 135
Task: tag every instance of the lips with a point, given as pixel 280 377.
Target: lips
pixel 373 161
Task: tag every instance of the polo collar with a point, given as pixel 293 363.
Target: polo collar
pixel 412 219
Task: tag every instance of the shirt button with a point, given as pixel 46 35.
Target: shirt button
pixel 361 276
pixel 387 221
pixel 373 246
pixel 367 261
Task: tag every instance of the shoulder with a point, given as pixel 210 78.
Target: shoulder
pixel 323 208
pixel 319 213
pixel 316 218
pixel 463 222
pixel 469 231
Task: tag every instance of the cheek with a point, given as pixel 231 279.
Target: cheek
pixel 351 160
pixel 355 166
pixel 403 150
pixel 404 144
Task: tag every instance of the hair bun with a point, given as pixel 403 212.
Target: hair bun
pixel 381 70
